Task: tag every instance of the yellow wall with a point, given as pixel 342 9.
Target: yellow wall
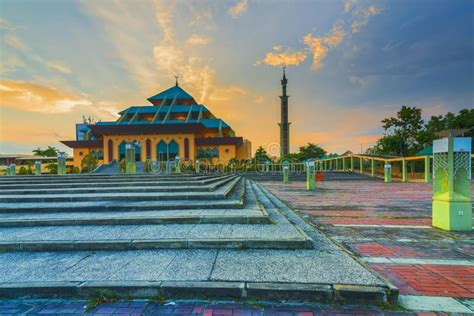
pixel 244 151
pixel 155 139
pixel 226 152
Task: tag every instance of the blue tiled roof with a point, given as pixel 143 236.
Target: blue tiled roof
pixel 208 123
pixel 151 109
pixel 171 93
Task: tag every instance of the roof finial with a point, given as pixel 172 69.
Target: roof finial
pixel 284 73
pixel 176 77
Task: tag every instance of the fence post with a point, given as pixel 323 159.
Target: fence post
pixel 37 167
pixel 61 164
pixel 404 171
pixel 310 181
pixel 130 166
pixel 286 172
pixel 387 168
pixel 427 169
pixel 452 208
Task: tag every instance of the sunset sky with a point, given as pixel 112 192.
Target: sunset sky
pixel 350 64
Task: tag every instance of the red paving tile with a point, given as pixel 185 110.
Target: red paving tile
pixel 349 213
pixel 373 221
pixel 377 250
pixel 431 280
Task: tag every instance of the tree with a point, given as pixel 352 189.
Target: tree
pixel 406 133
pixel 406 127
pixel 49 152
pixel 89 162
pixel 261 155
pixel 311 151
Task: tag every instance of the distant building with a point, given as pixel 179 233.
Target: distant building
pixel 174 125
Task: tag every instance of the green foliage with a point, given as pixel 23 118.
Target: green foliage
pixel 147 166
pixel 102 297
pixel 48 152
pixel 311 151
pixel 52 168
pixel 89 162
pixel 261 155
pixel 122 165
pixel 405 128
pixel 23 171
pixel 407 133
pixel 75 170
pixel 307 152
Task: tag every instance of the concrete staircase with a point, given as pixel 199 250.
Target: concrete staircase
pixel 116 212
pixel 219 236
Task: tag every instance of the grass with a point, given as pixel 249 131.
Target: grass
pixel 157 299
pixel 104 296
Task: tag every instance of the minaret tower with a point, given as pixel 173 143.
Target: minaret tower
pixel 284 124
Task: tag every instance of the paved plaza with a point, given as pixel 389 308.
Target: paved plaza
pixel 342 247
pixel 388 226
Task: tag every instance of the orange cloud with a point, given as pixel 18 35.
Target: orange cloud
pixel 14 42
pixel 320 46
pixel 196 39
pixel 361 17
pixel 238 9
pixel 31 97
pixel 283 59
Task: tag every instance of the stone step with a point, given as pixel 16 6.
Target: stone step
pixel 219 193
pixel 280 234
pixel 151 182
pixel 234 200
pixel 123 187
pixel 251 213
pixel 105 178
pixel 218 216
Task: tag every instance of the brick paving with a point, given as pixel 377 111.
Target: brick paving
pixel 67 307
pixel 432 280
pixel 352 203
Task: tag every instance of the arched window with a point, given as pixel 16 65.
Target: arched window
pixel 186 148
pixel 110 149
pixel 215 153
pixel 148 149
pixel 161 151
pixel 122 150
pixel 173 150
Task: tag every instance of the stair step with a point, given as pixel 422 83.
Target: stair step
pixel 218 216
pixel 116 188
pixel 220 193
pixel 151 182
pixel 233 200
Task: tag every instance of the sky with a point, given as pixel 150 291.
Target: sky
pixel 350 63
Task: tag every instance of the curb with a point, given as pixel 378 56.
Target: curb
pixel 306 292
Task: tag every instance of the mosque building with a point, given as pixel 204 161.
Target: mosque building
pixel 174 125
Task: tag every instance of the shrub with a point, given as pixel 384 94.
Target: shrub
pixel 75 170
pixel 89 162
pixel 23 170
pixel 53 168
pixel 122 165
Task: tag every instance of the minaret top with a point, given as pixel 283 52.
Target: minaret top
pixel 284 80
pixel 176 77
